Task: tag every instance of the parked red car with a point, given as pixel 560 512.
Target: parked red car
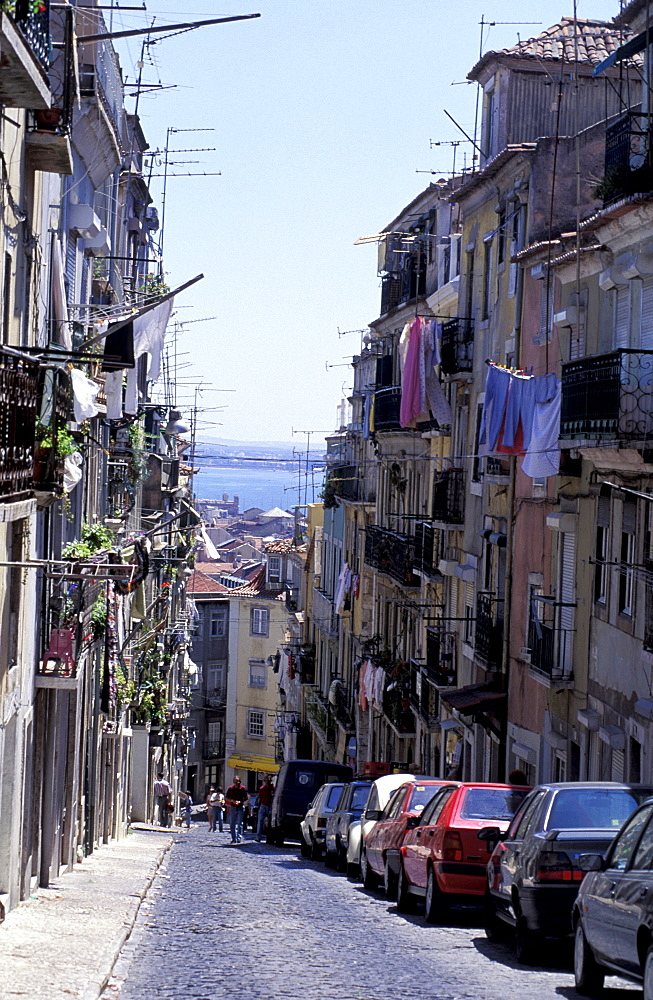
pixel 380 852
pixel 442 856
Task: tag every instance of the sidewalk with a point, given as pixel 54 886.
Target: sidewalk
pixel 62 943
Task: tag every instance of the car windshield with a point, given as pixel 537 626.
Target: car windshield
pixel 591 808
pixel 422 795
pixel 492 803
pixel 359 798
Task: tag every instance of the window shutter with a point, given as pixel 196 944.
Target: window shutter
pixel 618 762
pixel 646 337
pixel 567 597
pixel 629 517
pixel 622 316
pixel 603 512
pixel 71 266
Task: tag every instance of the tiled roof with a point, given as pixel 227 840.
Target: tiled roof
pixel 258 588
pixel 596 40
pixel 200 583
pixel 279 545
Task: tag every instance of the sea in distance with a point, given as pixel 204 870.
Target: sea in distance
pixel 257 487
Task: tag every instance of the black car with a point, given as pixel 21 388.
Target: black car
pixel 533 873
pixel 613 914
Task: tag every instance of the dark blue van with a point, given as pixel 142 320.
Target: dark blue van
pixel 297 784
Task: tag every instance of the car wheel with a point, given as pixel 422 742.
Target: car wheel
pixel 495 927
pixel 434 901
pixel 353 871
pixel 648 974
pixel 405 901
pixel 390 884
pixel 367 875
pixel 330 859
pixel 316 851
pixel 524 942
pixel 341 862
pixel 304 849
pixel 588 973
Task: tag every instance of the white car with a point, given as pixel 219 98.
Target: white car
pixel 380 791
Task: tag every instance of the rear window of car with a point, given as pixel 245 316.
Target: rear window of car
pixel 305 779
pixel 333 797
pixel 591 809
pixel 359 798
pixel 422 795
pixel 492 803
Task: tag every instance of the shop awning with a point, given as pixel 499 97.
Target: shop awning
pixel 252 762
pixel 473 698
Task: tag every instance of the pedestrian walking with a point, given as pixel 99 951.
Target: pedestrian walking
pixel 236 798
pixel 215 808
pixel 162 794
pixel 264 800
pixel 187 808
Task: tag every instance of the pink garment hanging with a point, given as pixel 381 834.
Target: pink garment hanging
pixel 410 384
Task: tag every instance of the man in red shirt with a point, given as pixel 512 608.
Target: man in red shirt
pixel 236 798
pixel 264 798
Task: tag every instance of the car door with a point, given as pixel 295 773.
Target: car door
pixel 312 811
pixel 426 834
pixel 524 825
pixel 382 832
pixel 603 897
pixel 633 893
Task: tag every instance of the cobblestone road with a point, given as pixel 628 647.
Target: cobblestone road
pixel 252 922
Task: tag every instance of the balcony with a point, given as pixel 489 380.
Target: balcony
pixel 608 397
pixel 392 554
pixel 213 750
pixel 216 698
pixel 441 657
pixel 25 48
pixel 550 650
pixel 488 634
pixel 397 709
pixel 345 482
pixel 627 158
pixel 18 407
pixel 47 141
pixel 387 404
pixel 457 346
pixel 426 544
pixel 449 496
pixel 120 489
pixel 58 666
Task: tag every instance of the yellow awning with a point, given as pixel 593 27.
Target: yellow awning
pixel 251 762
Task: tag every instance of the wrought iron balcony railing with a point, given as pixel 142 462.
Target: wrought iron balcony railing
pixel 212 749
pixel 18 402
pixel 549 649
pixel 457 347
pixel 488 634
pixel 441 657
pixel 608 396
pixel 35 29
pixel 449 496
pixel 627 158
pixel 216 698
pixel 391 553
pixel 387 404
pixel 120 489
pixel 345 481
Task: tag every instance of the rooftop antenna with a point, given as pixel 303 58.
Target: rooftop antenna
pixel 167 151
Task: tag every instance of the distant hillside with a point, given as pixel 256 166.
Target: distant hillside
pixel 221 449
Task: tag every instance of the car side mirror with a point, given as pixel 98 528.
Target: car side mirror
pixel 491 835
pixel 591 862
pixel 412 822
pixel 373 814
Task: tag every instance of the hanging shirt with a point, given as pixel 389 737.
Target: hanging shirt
pixel 543 453
pixel 84 393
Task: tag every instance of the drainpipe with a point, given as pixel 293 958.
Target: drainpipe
pixel 507 613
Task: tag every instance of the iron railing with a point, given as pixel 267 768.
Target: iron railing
pixel 18 403
pixel 35 29
pixel 426 543
pixel 457 346
pixel 216 698
pixel 212 749
pixel 608 396
pixel 488 634
pixel 449 496
pixel 387 405
pixel 549 649
pixel 345 482
pixel 120 489
pixel 441 657
pixel 627 158
pixel 391 553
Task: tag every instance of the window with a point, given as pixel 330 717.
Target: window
pixel 501 237
pixel 258 676
pixel 215 675
pixel 627 572
pixel 259 620
pixel 218 624
pixel 643 860
pixel 255 723
pixel 602 549
pixel 487 281
pixel 274 569
pixel 627 839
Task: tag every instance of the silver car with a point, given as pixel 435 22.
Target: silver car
pixel 313 825
pixel 350 809
pixel 380 791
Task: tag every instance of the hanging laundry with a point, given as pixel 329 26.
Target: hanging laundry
pixel 410 379
pixel 113 392
pixel 119 349
pixel 84 393
pixel 344 582
pixel 543 453
pixel 149 336
pixel 422 397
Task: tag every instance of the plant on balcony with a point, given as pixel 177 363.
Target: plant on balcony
pixel 99 619
pixel 152 286
pixel 63 443
pixel 398 483
pixel 139 454
pixel 33 7
pixel 95 538
pixel 329 495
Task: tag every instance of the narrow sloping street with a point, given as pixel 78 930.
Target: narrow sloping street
pixel 253 922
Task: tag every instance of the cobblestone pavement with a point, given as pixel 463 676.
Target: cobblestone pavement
pixel 253 922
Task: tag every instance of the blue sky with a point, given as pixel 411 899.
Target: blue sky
pixel 322 114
